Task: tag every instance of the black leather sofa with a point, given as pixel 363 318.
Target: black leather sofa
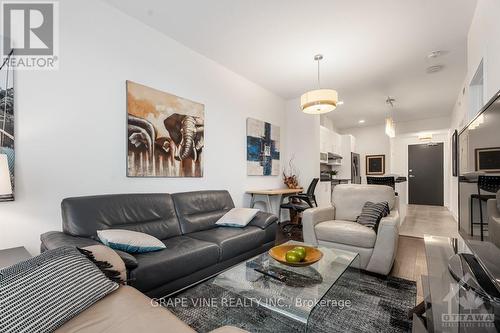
pixel 195 247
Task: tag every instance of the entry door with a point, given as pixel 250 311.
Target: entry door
pixel 426 174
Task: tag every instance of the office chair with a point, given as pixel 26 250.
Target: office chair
pixel 489 184
pixel 298 203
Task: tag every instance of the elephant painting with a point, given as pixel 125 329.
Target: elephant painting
pixel 163 143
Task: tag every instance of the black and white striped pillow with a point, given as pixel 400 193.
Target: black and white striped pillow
pixel 372 213
pixel 42 293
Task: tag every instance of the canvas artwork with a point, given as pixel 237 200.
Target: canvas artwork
pixel 7 122
pixel 263 148
pixel 165 135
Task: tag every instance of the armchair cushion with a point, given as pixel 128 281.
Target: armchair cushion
pixel 346 232
pixel 350 198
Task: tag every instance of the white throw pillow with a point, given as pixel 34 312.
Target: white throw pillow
pixel 237 217
pixel 129 241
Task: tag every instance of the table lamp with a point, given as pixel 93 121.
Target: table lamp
pixel 5 184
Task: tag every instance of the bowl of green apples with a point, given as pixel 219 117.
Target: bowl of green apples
pixel 295 255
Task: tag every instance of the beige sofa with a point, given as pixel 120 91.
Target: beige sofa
pixel 127 310
pixel 336 226
pixel 494 220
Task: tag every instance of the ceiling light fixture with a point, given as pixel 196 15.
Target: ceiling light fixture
pixel 390 127
pixel 319 101
pixel 362 121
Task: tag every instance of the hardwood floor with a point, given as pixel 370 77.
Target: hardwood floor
pixel 410 262
pixel 431 220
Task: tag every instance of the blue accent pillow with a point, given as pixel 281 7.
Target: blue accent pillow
pixel 130 241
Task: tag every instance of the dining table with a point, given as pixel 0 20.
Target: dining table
pixel 264 196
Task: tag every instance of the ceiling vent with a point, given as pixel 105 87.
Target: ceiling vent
pixel 434 69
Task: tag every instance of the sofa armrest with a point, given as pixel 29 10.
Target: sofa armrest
pixel 263 220
pixel 386 244
pixel 313 216
pixel 54 239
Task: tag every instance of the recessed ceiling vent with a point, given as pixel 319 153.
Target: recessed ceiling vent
pixel 434 69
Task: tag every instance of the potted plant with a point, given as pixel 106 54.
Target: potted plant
pixel 334 173
pixel 290 177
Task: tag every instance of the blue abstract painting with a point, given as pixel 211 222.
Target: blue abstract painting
pixel 263 148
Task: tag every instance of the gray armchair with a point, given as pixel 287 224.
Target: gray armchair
pixel 494 220
pixel 336 226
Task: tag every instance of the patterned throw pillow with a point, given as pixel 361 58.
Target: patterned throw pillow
pixel 42 293
pixel 372 213
pixel 130 241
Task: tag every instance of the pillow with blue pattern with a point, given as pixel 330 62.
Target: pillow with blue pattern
pixel 129 241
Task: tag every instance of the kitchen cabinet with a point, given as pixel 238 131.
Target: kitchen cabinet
pixel 329 141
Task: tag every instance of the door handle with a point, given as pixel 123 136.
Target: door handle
pixel 411 176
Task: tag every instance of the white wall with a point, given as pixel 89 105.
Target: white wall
pixel 482 44
pixel 70 123
pixel 371 140
pixel 302 141
pixel 399 148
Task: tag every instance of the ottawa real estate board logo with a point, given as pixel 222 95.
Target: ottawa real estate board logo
pixel 30 34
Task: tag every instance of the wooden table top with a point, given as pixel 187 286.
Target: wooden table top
pixel 276 191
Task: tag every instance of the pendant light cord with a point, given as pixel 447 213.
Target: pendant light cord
pixel 319 82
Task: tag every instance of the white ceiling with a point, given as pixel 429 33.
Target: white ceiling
pixel 372 49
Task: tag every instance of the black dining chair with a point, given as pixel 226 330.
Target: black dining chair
pixel 300 202
pixel 387 181
pixel 490 184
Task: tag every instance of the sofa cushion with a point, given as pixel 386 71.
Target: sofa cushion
pixel 346 232
pixel 349 199
pixel 152 214
pixel 113 262
pixel 183 255
pixel 237 217
pixel 200 210
pixel 130 241
pixel 126 311
pixel 42 293
pixel 372 213
pixel 232 241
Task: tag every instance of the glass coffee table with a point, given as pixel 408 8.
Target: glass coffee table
pixel 302 289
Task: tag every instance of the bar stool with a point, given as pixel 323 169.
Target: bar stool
pixel 489 184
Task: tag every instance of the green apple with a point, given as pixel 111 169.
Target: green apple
pixel 301 251
pixel 292 256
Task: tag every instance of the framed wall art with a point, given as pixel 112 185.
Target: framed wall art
pixel 375 165
pixel 487 159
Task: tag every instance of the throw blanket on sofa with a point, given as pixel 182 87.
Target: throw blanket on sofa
pixel 42 293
